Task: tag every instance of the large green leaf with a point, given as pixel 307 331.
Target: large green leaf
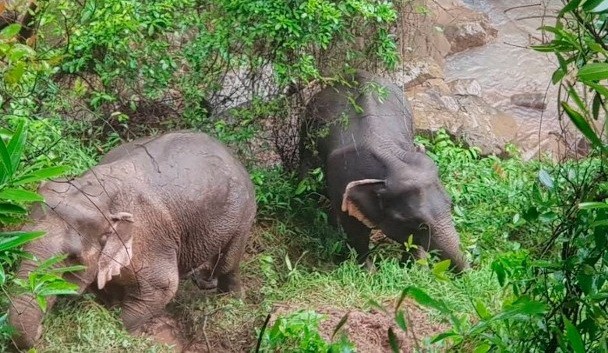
pixel 393 340
pixel 598 88
pixel 20 195
pixel 5 163
pixel 582 125
pixel 592 5
pixel 593 72
pixel 574 337
pixel 12 240
pixel 424 299
pixel 11 208
pixel 10 31
pixel 42 174
pixel 16 145
pixel 573 4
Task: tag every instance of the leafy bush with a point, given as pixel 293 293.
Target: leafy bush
pixel 299 332
pixel 555 290
pixel 14 177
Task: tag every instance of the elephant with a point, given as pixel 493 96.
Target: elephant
pixel 361 134
pixel 151 212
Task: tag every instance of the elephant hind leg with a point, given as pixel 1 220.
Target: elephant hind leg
pixel 228 272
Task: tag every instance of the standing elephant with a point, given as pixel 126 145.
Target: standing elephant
pixel 153 210
pixel 376 176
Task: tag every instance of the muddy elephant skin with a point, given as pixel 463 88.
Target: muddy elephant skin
pixel 153 210
pixel 362 136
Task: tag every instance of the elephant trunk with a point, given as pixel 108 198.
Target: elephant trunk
pixel 446 239
pixel 25 315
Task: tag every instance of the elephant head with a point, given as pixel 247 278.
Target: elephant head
pixel 410 200
pixel 77 220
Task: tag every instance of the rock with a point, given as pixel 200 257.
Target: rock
pixel 465 87
pixel 529 100
pixel 467 117
pixel 418 35
pixel 465 28
pixel 416 72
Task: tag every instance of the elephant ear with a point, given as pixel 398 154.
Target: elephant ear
pixel 361 200
pixel 117 250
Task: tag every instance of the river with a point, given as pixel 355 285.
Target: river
pixel 508 66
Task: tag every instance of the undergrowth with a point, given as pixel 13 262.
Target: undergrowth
pixel 294 258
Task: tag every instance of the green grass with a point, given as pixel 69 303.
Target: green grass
pixel 85 326
pixel 293 261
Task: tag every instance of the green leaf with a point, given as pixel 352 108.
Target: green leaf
pixel 339 325
pixel 602 7
pixel 10 31
pixel 16 146
pixel 41 174
pixel 375 304
pixel 574 337
pixel 596 105
pixel 2 276
pixel 400 320
pixel 401 298
pixel 592 205
pixel 523 306
pixel 440 268
pixel 482 310
pixel 482 348
pixel 598 88
pixel 424 299
pixel 571 5
pixel 593 72
pixel 11 208
pixel 14 73
pixel 393 340
pixel 582 125
pixel 20 195
pixel 590 5
pixel 41 302
pixel 12 240
pixel 501 274
pixel 444 335
pixel 5 163
pixel 558 75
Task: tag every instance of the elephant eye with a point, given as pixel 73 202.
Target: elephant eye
pixel 103 239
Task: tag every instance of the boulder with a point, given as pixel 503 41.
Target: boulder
pixel 529 100
pixel 465 28
pixel 464 116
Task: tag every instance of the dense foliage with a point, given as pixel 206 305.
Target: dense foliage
pixel 101 71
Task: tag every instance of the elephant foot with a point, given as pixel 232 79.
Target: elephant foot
pixel 230 283
pixel 205 283
pixel 369 266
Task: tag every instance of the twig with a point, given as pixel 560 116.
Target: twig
pixel 205 333
pixel 521 7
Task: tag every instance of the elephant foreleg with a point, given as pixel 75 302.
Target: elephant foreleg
pixel 357 237
pixel 147 298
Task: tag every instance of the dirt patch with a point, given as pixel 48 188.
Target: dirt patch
pixel 165 330
pixel 369 330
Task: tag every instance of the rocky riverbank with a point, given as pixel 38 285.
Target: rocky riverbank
pixel 436 33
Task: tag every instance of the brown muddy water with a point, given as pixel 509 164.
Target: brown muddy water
pixel 508 66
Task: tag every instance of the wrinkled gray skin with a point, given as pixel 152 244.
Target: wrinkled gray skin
pixel 376 176
pixel 153 210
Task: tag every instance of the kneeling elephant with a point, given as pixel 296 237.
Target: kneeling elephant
pixel 153 210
